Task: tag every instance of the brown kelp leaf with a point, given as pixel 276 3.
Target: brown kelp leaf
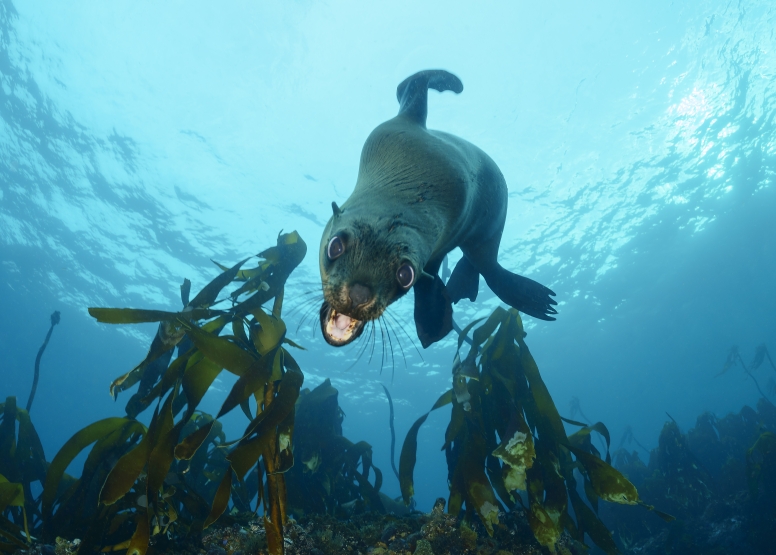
pixel 221 351
pixel 545 529
pixel 126 472
pixel 29 449
pixel 221 499
pixel 141 316
pixel 577 438
pixel 138 545
pixel 208 295
pixel 245 455
pixel 764 446
pixel 589 523
pixel 285 447
pixel 271 333
pixel 242 275
pixel 187 448
pixel 608 483
pixel 11 494
pixel 70 450
pixel 283 403
pixel 518 453
pixel 197 379
pixel 409 450
pixel 168 335
pixel 293 344
pixel 485 331
pixel 549 423
pixel 465 331
pixel 257 375
pixel 161 456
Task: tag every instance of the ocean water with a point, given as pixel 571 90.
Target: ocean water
pixel 139 140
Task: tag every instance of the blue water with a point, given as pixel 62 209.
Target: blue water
pixel 140 139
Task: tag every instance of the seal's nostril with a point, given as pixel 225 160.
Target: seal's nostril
pixel 359 294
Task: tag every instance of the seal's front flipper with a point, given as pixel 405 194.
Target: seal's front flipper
pixel 433 310
pixel 464 283
pixel 412 93
pixel 522 293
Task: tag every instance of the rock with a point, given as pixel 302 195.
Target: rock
pixel 423 548
pixel 47 550
pixel 388 533
pixel 215 550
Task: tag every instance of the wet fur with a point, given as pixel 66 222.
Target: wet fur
pixel 419 194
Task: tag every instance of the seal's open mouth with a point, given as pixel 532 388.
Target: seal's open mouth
pixel 339 329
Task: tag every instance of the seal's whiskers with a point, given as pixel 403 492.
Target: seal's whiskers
pixel 398 324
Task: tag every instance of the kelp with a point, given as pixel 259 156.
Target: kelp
pixel 328 480
pixel 22 463
pixel 506 444
pixel 178 474
pixel 54 321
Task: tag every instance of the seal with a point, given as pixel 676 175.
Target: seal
pixel 419 194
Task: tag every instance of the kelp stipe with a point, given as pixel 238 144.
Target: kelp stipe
pixel 506 442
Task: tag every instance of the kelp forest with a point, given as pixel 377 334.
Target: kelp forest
pixel 522 478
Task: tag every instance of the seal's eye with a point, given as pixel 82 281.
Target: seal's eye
pixel 405 275
pixel 335 248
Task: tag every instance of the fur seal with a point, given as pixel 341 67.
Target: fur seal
pixel 419 194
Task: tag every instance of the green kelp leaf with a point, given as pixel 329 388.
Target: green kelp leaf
pixel 221 351
pixel 70 450
pixel 141 316
pixel 608 483
pixel 221 499
pixel 208 295
pixel 409 450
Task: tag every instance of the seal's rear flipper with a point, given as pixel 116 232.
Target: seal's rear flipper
pixel 464 283
pixel 522 293
pixel 433 310
pixel 412 93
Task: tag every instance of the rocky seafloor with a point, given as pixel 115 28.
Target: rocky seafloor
pixel 736 525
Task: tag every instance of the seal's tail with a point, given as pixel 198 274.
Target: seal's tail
pixel 412 93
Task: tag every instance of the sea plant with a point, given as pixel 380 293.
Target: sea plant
pixel 137 480
pixel 327 478
pixel 22 463
pixel 506 444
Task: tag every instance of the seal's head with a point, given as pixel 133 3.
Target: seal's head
pixel 366 264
